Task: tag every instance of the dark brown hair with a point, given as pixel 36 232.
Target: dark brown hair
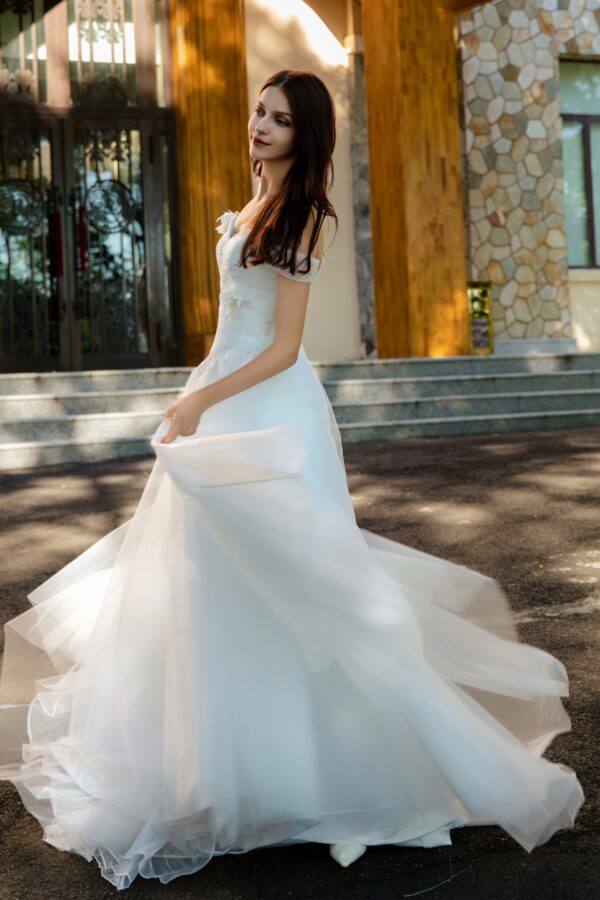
pixel 277 231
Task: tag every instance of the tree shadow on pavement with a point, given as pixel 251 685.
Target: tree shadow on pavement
pixel 520 508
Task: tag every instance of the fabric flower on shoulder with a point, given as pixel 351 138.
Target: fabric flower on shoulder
pixel 224 221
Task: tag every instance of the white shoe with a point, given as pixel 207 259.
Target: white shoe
pixel 346 853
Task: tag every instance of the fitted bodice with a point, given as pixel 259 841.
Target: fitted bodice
pixel 248 296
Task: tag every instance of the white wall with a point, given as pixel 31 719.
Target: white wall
pixel 288 34
pixel 584 298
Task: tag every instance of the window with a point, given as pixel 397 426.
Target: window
pixel 580 111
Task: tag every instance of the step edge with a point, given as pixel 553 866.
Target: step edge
pixel 438 360
pixel 78 417
pixel 96 373
pixel 451 397
pixel 450 378
pixel 479 418
pixel 132 392
pixel 72 442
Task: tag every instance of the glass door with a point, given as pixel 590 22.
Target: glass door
pixel 86 267
pixel 118 312
pixel 33 307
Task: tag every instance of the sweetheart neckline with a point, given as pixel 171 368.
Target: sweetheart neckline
pixel 231 234
pixel 234 218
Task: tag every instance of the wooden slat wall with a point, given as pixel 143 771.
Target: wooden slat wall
pixel 212 164
pixel 458 7
pixel 415 172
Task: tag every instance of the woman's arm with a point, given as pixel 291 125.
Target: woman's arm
pixel 282 352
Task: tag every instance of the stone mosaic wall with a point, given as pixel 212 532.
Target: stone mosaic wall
pixel 517 236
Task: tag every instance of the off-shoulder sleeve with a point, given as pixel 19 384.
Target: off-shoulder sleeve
pixel 315 266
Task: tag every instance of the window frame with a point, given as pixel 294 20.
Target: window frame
pixel 585 120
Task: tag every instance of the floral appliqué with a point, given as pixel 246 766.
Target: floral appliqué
pixel 224 221
pixel 229 302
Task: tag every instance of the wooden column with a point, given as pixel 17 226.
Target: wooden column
pixel 208 52
pixel 415 178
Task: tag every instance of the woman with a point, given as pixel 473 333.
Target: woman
pixel 240 665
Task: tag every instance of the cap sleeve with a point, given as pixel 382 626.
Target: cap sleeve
pixel 315 266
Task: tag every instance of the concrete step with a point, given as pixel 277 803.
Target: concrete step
pixel 92 427
pixel 343 391
pixel 427 408
pixel 176 376
pixel 497 424
pixel 99 380
pixel 350 390
pixel 44 453
pixel 47 453
pixel 43 406
pixel 547 363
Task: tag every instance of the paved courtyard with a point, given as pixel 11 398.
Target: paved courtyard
pixel 522 508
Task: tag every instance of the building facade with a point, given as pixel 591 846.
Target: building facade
pixel 466 151
pixel 531 95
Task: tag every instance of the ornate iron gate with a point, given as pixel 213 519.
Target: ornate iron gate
pixel 86 267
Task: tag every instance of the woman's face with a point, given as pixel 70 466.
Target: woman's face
pixel 272 122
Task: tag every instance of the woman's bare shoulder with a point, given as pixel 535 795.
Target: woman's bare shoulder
pixel 307 234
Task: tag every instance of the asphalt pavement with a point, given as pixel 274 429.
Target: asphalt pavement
pixel 522 508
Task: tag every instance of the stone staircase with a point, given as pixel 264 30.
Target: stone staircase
pixel 57 417
pixel 378 399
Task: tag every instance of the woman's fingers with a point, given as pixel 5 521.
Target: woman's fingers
pixel 185 430
pixel 184 416
pixel 171 434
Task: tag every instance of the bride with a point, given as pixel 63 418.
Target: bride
pixel 240 664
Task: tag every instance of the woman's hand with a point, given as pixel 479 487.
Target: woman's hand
pixel 184 414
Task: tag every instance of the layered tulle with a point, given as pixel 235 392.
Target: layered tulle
pixel 240 665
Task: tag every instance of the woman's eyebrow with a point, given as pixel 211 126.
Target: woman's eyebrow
pixel 278 112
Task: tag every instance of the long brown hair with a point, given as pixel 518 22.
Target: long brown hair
pixel 277 231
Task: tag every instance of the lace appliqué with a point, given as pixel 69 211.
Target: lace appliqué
pixel 230 303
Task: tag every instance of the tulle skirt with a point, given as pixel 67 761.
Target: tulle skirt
pixel 240 665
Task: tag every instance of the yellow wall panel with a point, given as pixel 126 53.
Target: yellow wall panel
pixel 211 113
pixel 415 178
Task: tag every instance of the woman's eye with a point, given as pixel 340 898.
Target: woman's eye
pixel 260 113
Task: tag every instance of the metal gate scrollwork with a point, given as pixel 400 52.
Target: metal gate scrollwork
pixel 110 207
pixel 22 208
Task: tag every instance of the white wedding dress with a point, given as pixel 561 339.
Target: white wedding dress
pixel 240 665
